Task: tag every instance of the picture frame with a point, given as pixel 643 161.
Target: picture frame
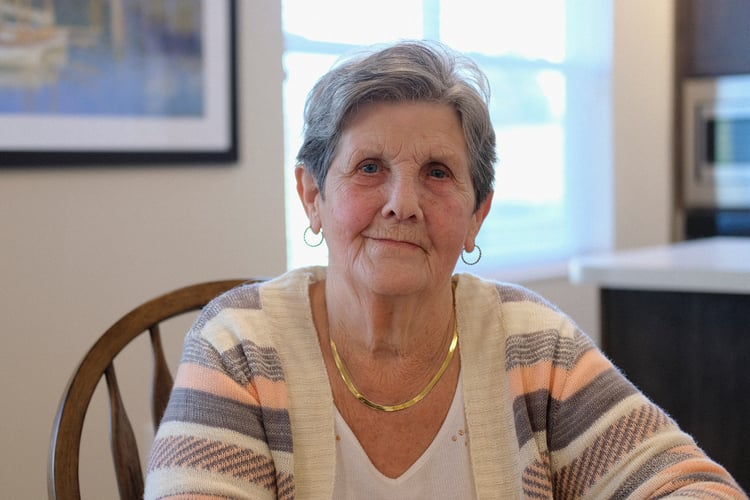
pixel 118 82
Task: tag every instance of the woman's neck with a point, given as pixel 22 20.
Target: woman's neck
pixel 388 350
pixel 381 327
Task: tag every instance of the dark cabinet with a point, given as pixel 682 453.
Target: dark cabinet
pixel 690 353
pixel 713 37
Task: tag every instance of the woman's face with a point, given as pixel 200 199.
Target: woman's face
pixel 399 200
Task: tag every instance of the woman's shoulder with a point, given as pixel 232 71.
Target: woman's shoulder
pixel 256 294
pixel 519 309
pixel 504 293
pixel 256 311
pixel 240 298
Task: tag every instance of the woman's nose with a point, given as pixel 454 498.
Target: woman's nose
pixel 403 199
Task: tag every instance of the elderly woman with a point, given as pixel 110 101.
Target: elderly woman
pixel 384 375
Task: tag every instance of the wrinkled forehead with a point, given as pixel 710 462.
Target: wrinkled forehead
pixel 423 130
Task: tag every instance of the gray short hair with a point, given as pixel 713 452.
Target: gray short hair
pixel 405 71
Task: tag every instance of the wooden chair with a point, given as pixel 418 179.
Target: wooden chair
pixel 62 479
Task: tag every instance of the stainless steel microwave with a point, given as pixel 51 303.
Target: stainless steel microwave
pixel 716 154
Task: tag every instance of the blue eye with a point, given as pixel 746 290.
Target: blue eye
pixel 438 173
pixel 370 168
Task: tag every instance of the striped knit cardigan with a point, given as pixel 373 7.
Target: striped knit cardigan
pixel 251 413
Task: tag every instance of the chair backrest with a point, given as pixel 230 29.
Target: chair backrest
pixel 62 479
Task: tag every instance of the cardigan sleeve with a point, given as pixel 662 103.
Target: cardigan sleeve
pixel 606 437
pixel 584 431
pixel 226 430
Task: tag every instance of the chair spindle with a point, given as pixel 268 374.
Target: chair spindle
pixel 124 447
pixel 161 382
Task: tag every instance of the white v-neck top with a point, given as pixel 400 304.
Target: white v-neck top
pixel 443 470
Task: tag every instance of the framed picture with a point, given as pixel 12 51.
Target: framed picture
pixel 87 82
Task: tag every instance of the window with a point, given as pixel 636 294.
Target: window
pixel 548 62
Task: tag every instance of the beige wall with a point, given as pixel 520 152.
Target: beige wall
pixel 80 246
pixel 642 106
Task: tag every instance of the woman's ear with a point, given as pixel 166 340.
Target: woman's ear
pixel 309 194
pixel 477 219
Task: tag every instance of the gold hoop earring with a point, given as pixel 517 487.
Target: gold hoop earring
pixel 306 235
pixel 471 263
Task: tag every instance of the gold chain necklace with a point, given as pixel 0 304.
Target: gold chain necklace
pixel 406 404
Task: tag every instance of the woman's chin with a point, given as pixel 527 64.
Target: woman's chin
pixel 398 278
pixel 392 273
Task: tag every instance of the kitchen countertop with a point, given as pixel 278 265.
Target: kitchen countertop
pixel 715 265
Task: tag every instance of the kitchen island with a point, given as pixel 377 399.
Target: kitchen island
pixel 676 320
